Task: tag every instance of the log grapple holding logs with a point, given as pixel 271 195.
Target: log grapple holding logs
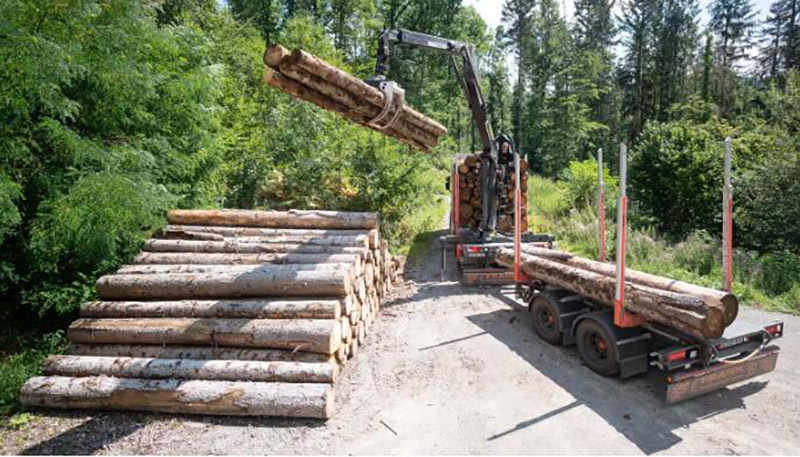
pixel 227 312
pixel 311 79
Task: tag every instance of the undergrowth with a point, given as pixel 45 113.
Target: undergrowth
pixel 16 368
pixel 770 281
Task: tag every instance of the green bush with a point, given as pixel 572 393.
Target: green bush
pixel 582 184
pixel 17 368
pixel 675 176
pixel 780 272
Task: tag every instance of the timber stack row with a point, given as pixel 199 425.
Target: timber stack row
pixel 227 312
pixel 311 79
pixel 469 194
pixel 695 310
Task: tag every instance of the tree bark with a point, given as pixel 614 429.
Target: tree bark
pixel 179 396
pixel 310 335
pixel 170 269
pixel 233 232
pixel 301 92
pixel 181 234
pixel 356 241
pixel 355 104
pixel 235 247
pixel 726 302
pixel 683 312
pixel 208 370
pixel 197 353
pixel 358 88
pixel 265 281
pixel 230 309
pixel 276 219
pixel 191 258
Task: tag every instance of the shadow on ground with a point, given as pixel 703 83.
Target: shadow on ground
pixel 103 429
pixel 634 407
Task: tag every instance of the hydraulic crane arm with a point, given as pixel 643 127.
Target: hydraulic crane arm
pixel 468 76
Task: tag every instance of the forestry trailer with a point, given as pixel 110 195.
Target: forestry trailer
pixel 611 338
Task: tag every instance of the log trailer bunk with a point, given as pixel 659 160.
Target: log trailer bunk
pixel 610 341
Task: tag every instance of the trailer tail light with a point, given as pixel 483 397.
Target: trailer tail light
pixel 474 249
pixel 774 330
pixel 679 356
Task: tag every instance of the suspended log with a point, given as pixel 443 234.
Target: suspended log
pixel 209 370
pixel 275 219
pixel 230 309
pixel 192 258
pixel 355 104
pixel 358 88
pixel 266 281
pixel 180 396
pixel 301 92
pixel 310 335
pixel 726 302
pixel 234 247
pixel 197 353
pixel 683 312
pixel 231 232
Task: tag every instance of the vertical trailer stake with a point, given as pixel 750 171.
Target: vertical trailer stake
pixel 727 222
pixel 517 219
pixel 621 318
pixel 601 209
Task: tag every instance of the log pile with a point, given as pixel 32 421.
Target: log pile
pixel 697 311
pixel 227 312
pixel 469 194
pixel 311 79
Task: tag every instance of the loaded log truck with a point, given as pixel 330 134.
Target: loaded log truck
pixel 611 340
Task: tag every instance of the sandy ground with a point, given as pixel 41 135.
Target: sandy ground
pixel 451 369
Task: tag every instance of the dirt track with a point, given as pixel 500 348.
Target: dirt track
pixel 457 370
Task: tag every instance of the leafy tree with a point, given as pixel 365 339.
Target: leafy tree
pixel 733 22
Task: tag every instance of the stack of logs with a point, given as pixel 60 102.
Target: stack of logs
pixel 469 183
pixel 311 79
pixel 227 312
pixel 697 311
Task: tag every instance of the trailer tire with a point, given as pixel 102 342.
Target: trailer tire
pixel 546 322
pixel 598 347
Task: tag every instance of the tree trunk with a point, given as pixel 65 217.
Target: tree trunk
pixel 310 335
pixel 356 241
pixel 355 104
pixel 265 281
pixel 229 309
pixel 191 258
pixel 301 92
pixel 276 219
pixel 683 312
pixel 197 353
pixel 233 232
pixel 726 302
pixel 235 247
pixel 358 88
pixel 234 269
pixel 208 370
pixel 178 396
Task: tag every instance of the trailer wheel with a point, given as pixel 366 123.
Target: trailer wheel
pixel 545 320
pixel 598 348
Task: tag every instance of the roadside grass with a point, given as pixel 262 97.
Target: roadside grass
pixel 18 367
pixel 420 227
pixel 770 281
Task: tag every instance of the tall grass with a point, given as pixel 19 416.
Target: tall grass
pixel 769 281
pixel 15 369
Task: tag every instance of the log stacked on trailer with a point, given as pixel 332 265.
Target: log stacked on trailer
pixel 227 312
pixel 311 79
pixel 697 311
pixel 470 205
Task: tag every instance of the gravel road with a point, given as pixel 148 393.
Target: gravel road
pixel 451 369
